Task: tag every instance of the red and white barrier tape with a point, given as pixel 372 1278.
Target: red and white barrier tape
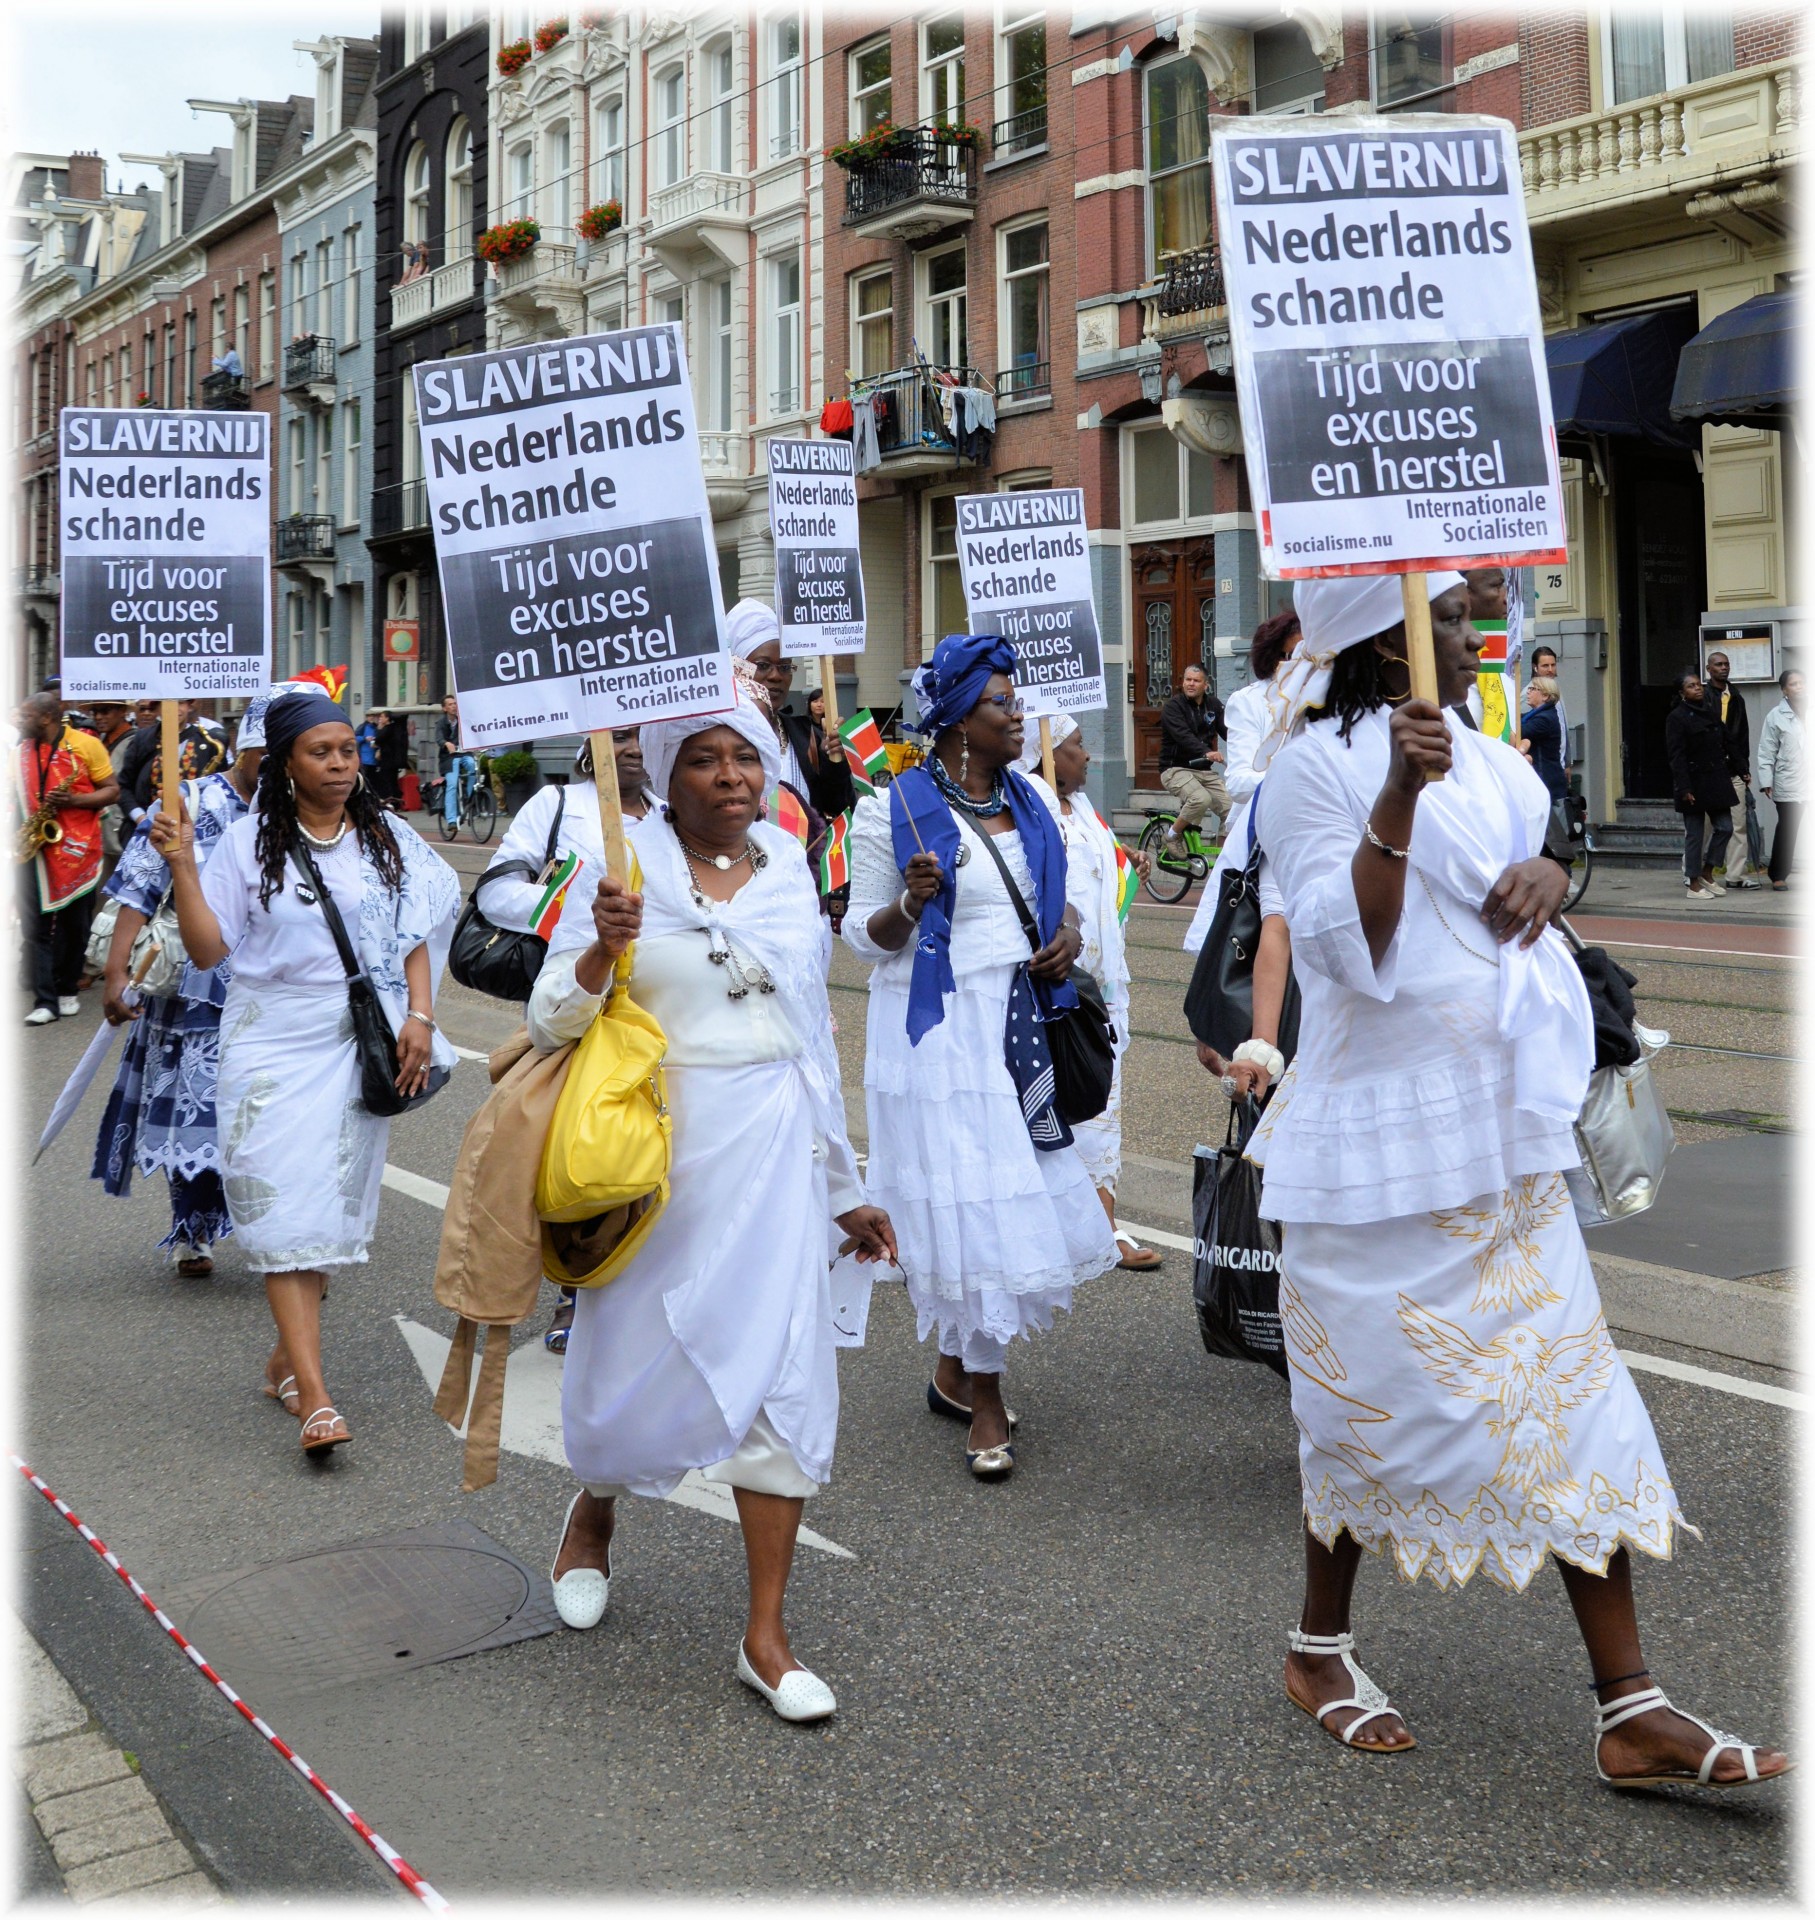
pixel 379 1845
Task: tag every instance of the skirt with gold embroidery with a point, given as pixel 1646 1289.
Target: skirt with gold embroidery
pixel 1458 1396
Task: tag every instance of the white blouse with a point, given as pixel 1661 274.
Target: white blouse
pixel 286 943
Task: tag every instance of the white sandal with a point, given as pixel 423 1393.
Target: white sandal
pixel 1615 1713
pixel 1368 1696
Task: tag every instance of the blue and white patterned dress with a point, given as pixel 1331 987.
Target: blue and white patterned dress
pixel 160 1116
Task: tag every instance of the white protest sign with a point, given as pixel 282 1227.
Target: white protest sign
pixel 166 539
pixel 1389 353
pixel 578 570
pixel 818 571
pixel 1025 563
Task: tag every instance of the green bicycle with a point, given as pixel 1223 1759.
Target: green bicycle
pixel 1169 877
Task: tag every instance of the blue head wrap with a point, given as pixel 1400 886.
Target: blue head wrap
pixel 952 682
pixel 288 719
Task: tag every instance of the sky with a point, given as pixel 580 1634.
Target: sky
pixel 113 80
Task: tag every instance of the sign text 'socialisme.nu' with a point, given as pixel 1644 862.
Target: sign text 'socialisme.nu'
pixel 165 519
pixel 1389 352
pixel 574 537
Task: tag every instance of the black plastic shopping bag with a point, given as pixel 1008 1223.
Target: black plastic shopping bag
pixel 1235 1281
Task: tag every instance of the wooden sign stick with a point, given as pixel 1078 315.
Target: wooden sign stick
pixel 1046 752
pixel 170 748
pixel 1420 654
pixel 828 685
pixel 611 807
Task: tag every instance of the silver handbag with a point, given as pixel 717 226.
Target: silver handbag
pixel 1625 1138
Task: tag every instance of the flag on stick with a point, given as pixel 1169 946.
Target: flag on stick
pixel 865 754
pixel 1127 881
pixel 787 813
pixel 834 863
pixel 554 897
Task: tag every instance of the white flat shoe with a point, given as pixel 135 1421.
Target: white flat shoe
pixel 582 1592
pixel 68 1006
pixel 800 1696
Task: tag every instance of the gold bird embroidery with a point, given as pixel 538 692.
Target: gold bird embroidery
pixel 1533 1381
pixel 1506 1268
pixel 1305 1335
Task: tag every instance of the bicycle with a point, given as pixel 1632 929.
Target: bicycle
pixel 1168 877
pixel 1581 865
pixel 478 811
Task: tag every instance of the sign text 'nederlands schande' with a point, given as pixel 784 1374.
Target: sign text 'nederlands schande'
pixel 574 537
pixel 1389 353
pixel 166 541
pixel 1025 562
pixel 818 572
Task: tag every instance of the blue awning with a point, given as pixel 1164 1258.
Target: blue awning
pixel 1611 379
pixel 1740 370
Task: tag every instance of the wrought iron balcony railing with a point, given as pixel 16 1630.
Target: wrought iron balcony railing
pixel 308 362
pixel 305 536
pixel 910 409
pixel 226 392
pixel 1019 132
pixel 1193 281
pixel 1030 381
pixel 400 509
pixel 921 169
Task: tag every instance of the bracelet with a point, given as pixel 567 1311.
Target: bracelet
pixel 1374 840
pixel 423 1017
pixel 1260 1054
pixel 904 909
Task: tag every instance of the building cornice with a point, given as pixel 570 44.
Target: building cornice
pixel 327 174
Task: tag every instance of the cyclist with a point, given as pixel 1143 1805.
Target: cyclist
pixel 1191 723
pixel 458 766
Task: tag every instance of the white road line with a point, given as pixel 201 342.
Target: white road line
pixel 466 1053
pixel 1714 953
pixel 1641 1362
pixel 430 1192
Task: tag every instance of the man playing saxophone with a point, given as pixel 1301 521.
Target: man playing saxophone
pixel 62 780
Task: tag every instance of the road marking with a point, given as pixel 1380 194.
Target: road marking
pixel 466 1053
pixel 430 1192
pixel 1713 953
pixel 1643 1362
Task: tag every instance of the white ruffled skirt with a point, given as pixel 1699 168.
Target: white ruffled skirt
pixel 994 1236
pixel 1458 1396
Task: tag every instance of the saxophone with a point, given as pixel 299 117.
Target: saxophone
pixel 40 828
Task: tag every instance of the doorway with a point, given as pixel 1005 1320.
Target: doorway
pixel 1174 627
pixel 1663 581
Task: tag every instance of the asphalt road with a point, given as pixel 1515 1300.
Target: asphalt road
pixel 1070 1683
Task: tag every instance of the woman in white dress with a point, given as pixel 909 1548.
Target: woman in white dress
pixel 1093 884
pixel 714 1349
pixel 301 1157
pixel 996 1214
pixel 1460 1403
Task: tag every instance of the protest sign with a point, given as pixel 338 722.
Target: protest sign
pixel 579 575
pixel 1389 352
pixel 1025 563
pixel 166 540
pixel 818 573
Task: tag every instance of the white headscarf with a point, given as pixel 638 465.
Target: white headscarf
pixel 252 721
pixel 662 738
pixel 1063 727
pixel 749 625
pixel 1333 615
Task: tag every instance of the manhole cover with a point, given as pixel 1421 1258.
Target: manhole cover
pixel 357 1612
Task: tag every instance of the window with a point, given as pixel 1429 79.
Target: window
pixel 299 617
pixel 299 468
pixel 322 493
pixel 872 324
pixel 416 196
pixel 872 87
pixel 942 69
pixel 415 33
pixel 107 399
pixel 149 360
pixel 457 243
pixel 412 436
pixel 1411 53
pixel 946 326
pixel 560 186
pixel 172 396
pixel 1648 52
pixel 945 599
pixel 521 178
pixel 217 329
pixel 1288 76
pixel 1178 159
pixel 94 384
pixel 718 354
pixel 267 327
pixel 719 152
pixel 242 328
pixel 1021 62
pixel 1167 473
pixel 784 86
pixel 608 145
pixel 785 335
pixel 324 289
pixel 670 126
pixel 349 286
pixel 350 495
pixel 190 375
pixel 671 308
pixel 1025 337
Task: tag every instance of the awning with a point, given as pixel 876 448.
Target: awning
pixel 1740 370
pixel 1611 379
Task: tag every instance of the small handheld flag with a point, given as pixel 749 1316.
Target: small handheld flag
pixel 787 813
pixel 1127 881
pixel 1499 689
pixel 554 897
pixel 834 863
pixel 866 756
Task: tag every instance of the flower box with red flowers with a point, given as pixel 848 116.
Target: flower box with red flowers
pixel 509 241
pixel 551 33
pixel 596 222
pixel 513 57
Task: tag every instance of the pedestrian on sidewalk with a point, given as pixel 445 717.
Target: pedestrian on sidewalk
pixel 1543 729
pixel 1780 774
pixel 1095 866
pixel 160 1116
pixel 1459 1400
pixel 714 1349
pixel 1696 744
pixel 1191 763
pixel 998 1223
pixel 63 780
pixel 302 1158
pixel 1730 704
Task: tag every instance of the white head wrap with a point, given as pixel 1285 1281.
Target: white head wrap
pixel 749 625
pixel 1063 727
pixel 1333 615
pixel 252 721
pixel 662 739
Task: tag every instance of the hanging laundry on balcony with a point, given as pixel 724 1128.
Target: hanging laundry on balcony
pixel 836 420
pixel 866 444
pixel 970 415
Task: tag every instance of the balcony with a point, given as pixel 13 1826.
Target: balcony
pixel 912 433
pixel 707 213
pixel 305 536
pixel 542 282
pixel 309 369
pixel 1736 131
pixel 414 301
pixel 37 583
pixel 1019 134
pixel 400 509
pixel 725 460
pixel 925 183
pixel 1032 380
pixel 226 392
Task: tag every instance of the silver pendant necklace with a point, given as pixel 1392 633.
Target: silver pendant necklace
pixel 740 975
pixel 328 845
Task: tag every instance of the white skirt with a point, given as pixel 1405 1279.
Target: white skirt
pixel 994 1235
pixel 302 1161
pixel 1099 1141
pixel 724 1319
pixel 1459 1398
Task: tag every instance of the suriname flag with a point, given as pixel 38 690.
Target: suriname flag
pixel 554 897
pixel 1499 687
pixel 866 756
pixel 834 863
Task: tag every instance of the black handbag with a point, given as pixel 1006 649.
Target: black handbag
pixel 498 960
pixel 1219 1003
pixel 1080 1039
pixel 373 1040
pixel 1235 1272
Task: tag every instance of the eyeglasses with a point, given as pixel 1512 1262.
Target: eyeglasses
pixel 1011 703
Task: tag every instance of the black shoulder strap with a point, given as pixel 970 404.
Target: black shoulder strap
pixel 330 912
pixel 554 829
pixel 1028 925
